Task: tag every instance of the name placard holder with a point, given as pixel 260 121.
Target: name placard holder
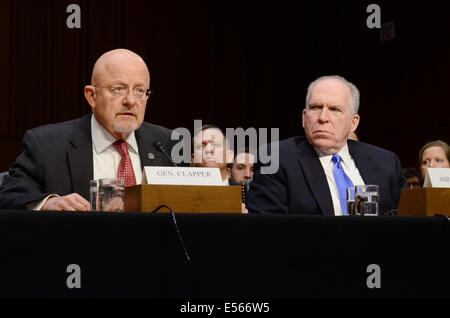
pixel 437 178
pixel 182 176
pixel 424 202
pixel 185 190
pixel 183 198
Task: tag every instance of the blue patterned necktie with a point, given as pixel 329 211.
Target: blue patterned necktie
pixel 342 181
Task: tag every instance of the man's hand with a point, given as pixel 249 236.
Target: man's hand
pixel 71 202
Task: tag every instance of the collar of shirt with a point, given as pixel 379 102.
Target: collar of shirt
pixel 102 139
pixel 346 161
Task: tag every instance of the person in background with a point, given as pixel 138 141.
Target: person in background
pixel 242 167
pixel 210 149
pixel 435 154
pixel 413 178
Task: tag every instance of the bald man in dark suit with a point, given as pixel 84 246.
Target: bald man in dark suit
pixel 59 160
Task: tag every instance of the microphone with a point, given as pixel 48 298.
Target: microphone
pixel 245 187
pixel 246 184
pixel 160 147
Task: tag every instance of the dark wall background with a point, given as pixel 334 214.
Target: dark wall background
pixel 232 63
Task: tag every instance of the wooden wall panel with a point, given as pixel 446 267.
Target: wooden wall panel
pixel 102 28
pixel 198 82
pixel 137 26
pixel 402 81
pixel 32 62
pixel 4 67
pixel 166 65
pixel 66 70
pixel 233 63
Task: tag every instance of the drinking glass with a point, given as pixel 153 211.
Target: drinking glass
pixel 351 201
pixel 367 200
pixel 107 194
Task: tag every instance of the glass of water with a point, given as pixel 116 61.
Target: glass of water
pixel 367 200
pixel 107 194
pixel 351 201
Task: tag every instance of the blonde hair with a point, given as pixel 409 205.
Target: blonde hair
pixel 435 143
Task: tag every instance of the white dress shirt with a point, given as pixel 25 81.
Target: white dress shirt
pixel 106 158
pixel 350 169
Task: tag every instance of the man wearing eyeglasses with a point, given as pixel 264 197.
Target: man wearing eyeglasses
pixel 210 149
pixel 59 160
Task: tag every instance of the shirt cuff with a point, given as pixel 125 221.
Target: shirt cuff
pixel 37 206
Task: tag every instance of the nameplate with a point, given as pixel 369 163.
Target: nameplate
pixel 437 178
pixel 182 176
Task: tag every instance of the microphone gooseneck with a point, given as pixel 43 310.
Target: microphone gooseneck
pixel 160 147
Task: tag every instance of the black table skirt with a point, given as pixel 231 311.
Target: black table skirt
pixel 269 256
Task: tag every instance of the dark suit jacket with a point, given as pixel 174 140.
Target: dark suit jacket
pixel 300 186
pixel 58 159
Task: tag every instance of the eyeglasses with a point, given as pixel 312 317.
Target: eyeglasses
pixel 121 91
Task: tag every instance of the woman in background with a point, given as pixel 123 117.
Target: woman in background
pixel 435 154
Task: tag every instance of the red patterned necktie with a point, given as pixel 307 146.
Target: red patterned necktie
pixel 125 170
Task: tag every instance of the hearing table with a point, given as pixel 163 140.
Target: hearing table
pixel 51 254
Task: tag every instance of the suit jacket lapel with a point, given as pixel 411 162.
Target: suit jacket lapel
pixel 80 156
pixel 315 177
pixel 369 172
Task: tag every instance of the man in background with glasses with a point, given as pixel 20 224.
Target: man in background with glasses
pixel 210 149
pixel 59 160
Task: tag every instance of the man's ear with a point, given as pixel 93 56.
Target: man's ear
pixel 355 122
pixel 303 118
pixel 89 93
